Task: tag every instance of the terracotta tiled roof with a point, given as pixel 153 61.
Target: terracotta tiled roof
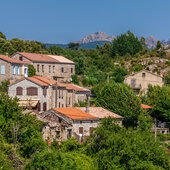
pixel 101 112
pixel 37 81
pixel 144 106
pixel 45 58
pixel 74 113
pixel 47 80
pixel 71 86
pixel 13 60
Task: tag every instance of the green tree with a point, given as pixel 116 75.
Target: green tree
pixel 2 36
pixel 58 160
pixel 126 44
pixel 4 86
pixel 115 147
pixel 119 99
pixel 158 45
pixel 73 46
pixel 54 50
pixel 159 98
pixel 75 79
pixel 31 70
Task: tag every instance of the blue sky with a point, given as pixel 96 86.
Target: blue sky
pixel 63 21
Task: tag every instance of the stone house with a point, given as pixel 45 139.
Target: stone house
pixel 12 69
pixel 162 127
pixel 101 113
pixel 141 80
pixel 64 123
pixel 43 93
pixel 56 67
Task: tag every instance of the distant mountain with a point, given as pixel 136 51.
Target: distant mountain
pixel 98 36
pixel 89 45
pixel 151 42
pixel 164 42
pixel 91 40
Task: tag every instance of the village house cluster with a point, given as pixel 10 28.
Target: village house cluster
pixel 51 95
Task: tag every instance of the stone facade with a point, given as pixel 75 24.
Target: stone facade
pixel 140 80
pixel 12 71
pixel 60 127
pixel 60 71
pixel 25 84
pixel 57 94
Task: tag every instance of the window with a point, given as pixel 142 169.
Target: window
pixel 53 69
pixel 39 106
pixel 91 121
pixel 32 91
pixel 18 71
pixel 80 130
pixel 71 70
pixel 20 58
pixel 38 68
pixel 62 105
pixel 44 91
pixel 49 69
pixel 69 132
pixel 42 68
pixel 62 69
pixel 80 122
pixel 69 101
pixel 2 69
pixel 59 105
pixel 44 106
pixel 13 69
pixel 59 93
pixel 19 91
pixel 91 130
pixel 143 74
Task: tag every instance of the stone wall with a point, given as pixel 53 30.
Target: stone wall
pixel 9 72
pixel 143 79
pixel 25 84
pixel 51 69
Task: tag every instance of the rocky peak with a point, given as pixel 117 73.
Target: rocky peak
pixel 98 36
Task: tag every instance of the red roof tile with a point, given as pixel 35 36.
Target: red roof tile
pixel 13 60
pixel 74 113
pixel 45 58
pixel 144 106
pixel 46 80
pixel 37 81
pixel 71 86
pixel 101 112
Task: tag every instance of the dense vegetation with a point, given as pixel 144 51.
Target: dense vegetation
pixel 132 146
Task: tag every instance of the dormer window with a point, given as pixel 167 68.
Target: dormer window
pixel 20 58
pixel 143 74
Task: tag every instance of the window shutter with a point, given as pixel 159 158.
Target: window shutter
pixel 32 91
pixel 80 130
pixel 44 106
pixel 19 90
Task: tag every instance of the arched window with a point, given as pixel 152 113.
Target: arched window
pixel 19 91
pixel 44 106
pixel 32 91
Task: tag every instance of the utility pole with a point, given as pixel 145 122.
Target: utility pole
pixel 155 130
pixel 108 78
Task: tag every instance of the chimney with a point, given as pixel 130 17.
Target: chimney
pixel 88 103
pixel 6 54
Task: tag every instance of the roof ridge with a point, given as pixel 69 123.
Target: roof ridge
pixel 37 77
